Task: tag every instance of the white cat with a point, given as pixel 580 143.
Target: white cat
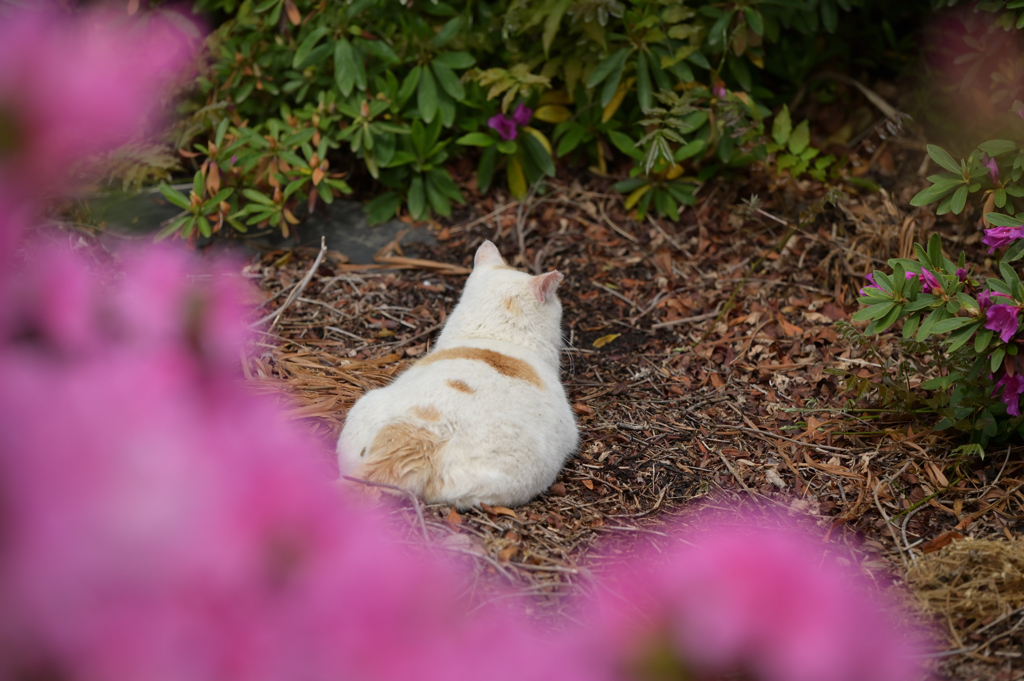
pixel 483 418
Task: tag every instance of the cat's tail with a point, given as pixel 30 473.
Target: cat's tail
pixel 405 455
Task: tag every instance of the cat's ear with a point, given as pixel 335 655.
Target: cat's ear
pixel 544 285
pixel 487 255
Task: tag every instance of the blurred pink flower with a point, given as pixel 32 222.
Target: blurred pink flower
pixel 998 237
pixel 75 85
pixel 763 602
pixel 503 125
pixel 507 127
pixel 1012 387
pixel 522 115
pixel 1002 319
pixel 161 521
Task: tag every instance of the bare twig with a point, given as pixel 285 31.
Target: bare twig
pixel 297 291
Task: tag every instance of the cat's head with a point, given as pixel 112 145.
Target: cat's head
pixel 504 303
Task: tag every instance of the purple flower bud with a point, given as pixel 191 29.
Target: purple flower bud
pixel 928 282
pixel 234 159
pixel 993 168
pixel 961 274
pixel 522 115
pixel 1012 387
pixel 998 237
pixel 1003 319
pixel 720 92
pixel 505 126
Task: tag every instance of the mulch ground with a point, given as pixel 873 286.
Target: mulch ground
pixel 711 361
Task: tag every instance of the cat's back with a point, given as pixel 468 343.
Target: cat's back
pixel 482 418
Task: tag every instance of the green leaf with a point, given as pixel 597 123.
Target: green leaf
pixel 409 85
pixel 935 192
pixel 690 149
pixel 1000 220
pixel 888 320
pixel 959 200
pixel 214 200
pixel 643 83
pixel 170 229
pixel 307 45
pixel 417 199
pixel 448 80
pixel 960 338
pixel 873 312
pixel 936 316
pixel 625 144
pixel 571 139
pixel 456 60
pixel 997 147
pixel 829 15
pixel 448 31
pixel 800 138
pixel 947 325
pixel 426 97
pixel 197 183
pixel 174 196
pixel 382 208
pixel 204 227
pixel 754 20
pixel 258 197
pixel 782 127
pixel 738 69
pixel 221 129
pixel 611 85
pixel 1014 252
pixel 605 68
pixel 537 153
pixel 485 169
pixel 381 50
pixel 934 253
pixel 940 156
pixel 476 139
pixel 344 69
pixel 910 326
pixel 982 340
pixel 551 23
pixel 996 360
pixel 438 202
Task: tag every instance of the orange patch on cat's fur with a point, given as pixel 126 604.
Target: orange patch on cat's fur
pixel 426 413
pixel 513 306
pixel 503 364
pixel 405 455
pixel 461 386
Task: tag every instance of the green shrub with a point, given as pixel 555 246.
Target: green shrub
pixel 298 89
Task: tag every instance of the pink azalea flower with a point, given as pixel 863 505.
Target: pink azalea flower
pixel 766 603
pixel 75 85
pixel 998 237
pixel 1012 388
pixel 1003 319
pixel 177 526
pixel 522 115
pixel 505 126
